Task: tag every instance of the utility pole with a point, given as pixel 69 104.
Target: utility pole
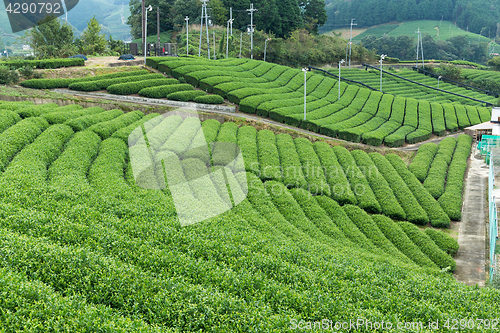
pixel 201 31
pixel 422 49
pixel 350 43
pixel 158 28
pixel 187 34
pixel 340 65
pixel 265 47
pixel 206 22
pixel 241 42
pixel 146 31
pixel 382 57
pixel 418 45
pixel 305 90
pixel 143 9
pixel 227 37
pixel 231 18
pixel 215 55
pixel 251 10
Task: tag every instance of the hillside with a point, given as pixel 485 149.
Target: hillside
pixel 478 16
pixel 111 15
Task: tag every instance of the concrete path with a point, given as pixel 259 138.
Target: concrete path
pixel 471 256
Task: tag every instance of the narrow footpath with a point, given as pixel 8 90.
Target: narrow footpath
pixel 471 256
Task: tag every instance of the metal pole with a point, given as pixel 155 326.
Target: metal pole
pixel 158 26
pixel 422 49
pixel 231 18
pixel 206 22
pixel 146 37
pixel 227 40
pixel 187 35
pixel 251 10
pixel 418 45
pixel 265 48
pixel 215 55
pixel 305 91
pixel 382 57
pixel 241 42
pixel 350 42
pixel 340 65
pixel 201 31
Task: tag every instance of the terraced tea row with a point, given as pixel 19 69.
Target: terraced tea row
pixel 349 113
pixel 442 169
pixel 140 82
pixel 400 87
pixel 277 255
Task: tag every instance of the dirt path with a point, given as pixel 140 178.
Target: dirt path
pixel 471 256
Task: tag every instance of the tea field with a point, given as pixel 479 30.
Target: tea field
pixel 83 247
pixel 356 114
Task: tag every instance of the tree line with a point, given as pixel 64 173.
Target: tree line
pixel 404 48
pixel 279 17
pixel 478 16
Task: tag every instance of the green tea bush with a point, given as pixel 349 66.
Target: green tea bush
pixel 209 99
pixel 269 159
pixel 84 122
pixel 414 212
pixel 8 119
pixel 359 185
pixel 186 96
pixel 133 88
pixel 390 206
pixel 164 91
pixel 103 84
pixel 445 242
pixel 397 236
pixel 422 161
pixel 107 128
pixel 438 171
pixel 311 166
pixel 426 244
pixel 339 185
pixel 437 216
pixel 290 162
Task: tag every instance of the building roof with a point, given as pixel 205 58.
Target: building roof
pixel 495 115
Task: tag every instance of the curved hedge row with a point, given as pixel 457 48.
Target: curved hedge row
pixel 359 185
pixel 64 83
pixel 135 87
pixel 247 142
pixel 344 223
pixel 317 215
pixel 422 161
pixel 312 168
pixel 445 242
pixel 436 214
pixel 81 123
pixel 269 159
pixel 225 154
pixel 186 96
pixel 16 137
pixel 414 212
pixel 427 245
pixel 209 99
pixel 45 63
pixel 290 162
pixel 397 236
pixel 385 197
pixel 59 117
pixel 366 224
pixel 339 185
pixel 107 128
pixel 164 91
pixel 451 200
pixel 436 178
pixel 103 84
pixel 8 119
pixel 124 132
pixel 38 110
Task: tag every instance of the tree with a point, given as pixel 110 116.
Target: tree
pixel 183 8
pixel 50 39
pixel 219 12
pixel 168 16
pixel 2 46
pixel 92 40
pixel 314 14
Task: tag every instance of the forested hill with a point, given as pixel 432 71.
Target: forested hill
pixel 479 16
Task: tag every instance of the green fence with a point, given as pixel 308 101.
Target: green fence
pixel 493 223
